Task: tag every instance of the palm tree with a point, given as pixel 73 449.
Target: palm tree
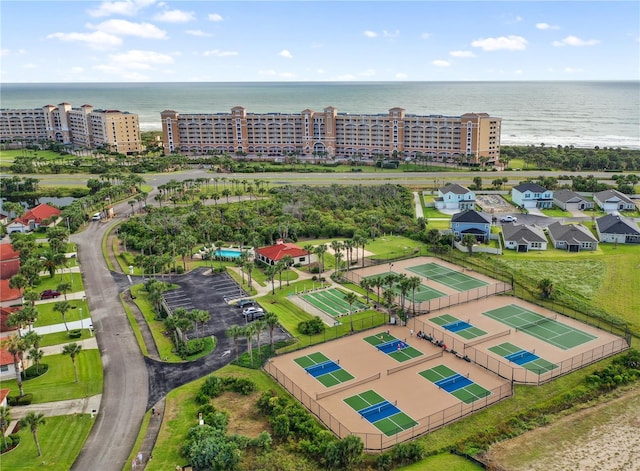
pixel 235 332
pixel 366 284
pixel 62 307
pixel 64 287
pixel 309 249
pixel 36 355
pixel 72 349
pixel 469 241
pixel 259 326
pixel 348 248
pixel 288 261
pixel 351 298
pixel 546 287
pixel 414 284
pixel 337 247
pixel 320 250
pixel 16 346
pixel 248 268
pixel 249 331
pixel 271 272
pixel 5 420
pixel 280 267
pixel 432 238
pixel 271 321
pixel 33 421
pixel 389 295
pixel 31 296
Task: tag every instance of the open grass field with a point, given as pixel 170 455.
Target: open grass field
pixel 58 338
pixel 48 316
pixel 61 439
pixel 46 282
pixel 58 384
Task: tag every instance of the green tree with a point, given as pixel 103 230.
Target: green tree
pixel 64 287
pixel 469 241
pixel 271 321
pixel 288 261
pixel 235 332
pixel 546 287
pixel 36 355
pixel 271 272
pixel 5 420
pixel 63 307
pixel 16 346
pixel 33 421
pixel 351 299
pixel 73 350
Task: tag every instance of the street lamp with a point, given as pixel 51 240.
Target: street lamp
pixel 81 325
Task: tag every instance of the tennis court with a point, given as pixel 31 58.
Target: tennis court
pixel 422 292
pixel 453 279
pixel 547 329
pixel 524 358
pixel 327 371
pixel 463 328
pixel 332 301
pixel 397 349
pixel 387 417
pixel 455 384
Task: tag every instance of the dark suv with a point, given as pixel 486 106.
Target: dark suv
pixel 49 293
pixel 245 303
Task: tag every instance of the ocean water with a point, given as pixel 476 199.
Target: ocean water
pixel 582 114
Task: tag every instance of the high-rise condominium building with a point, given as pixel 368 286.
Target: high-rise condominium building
pixel 117 131
pixel 472 137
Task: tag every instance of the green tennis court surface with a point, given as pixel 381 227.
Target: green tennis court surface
pixel 448 277
pixel 406 352
pixel 332 301
pixel 468 393
pixel 422 293
pixel 390 425
pixel 539 365
pixel 329 379
pixel 462 328
pixel 547 329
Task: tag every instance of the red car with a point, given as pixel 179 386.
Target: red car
pixel 49 293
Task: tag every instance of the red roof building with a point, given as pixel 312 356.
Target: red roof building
pixel 5 312
pixel 3 397
pixel 9 261
pixel 9 296
pixel 41 215
pixel 275 253
pixel 7 369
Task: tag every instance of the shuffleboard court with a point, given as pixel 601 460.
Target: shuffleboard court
pixel 383 414
pixel 522 357
pixel 448 277
pixel 456 384
pixel 396 348
pixel 547 329
pixel 332 301
pixel 460 327
pixel 327 371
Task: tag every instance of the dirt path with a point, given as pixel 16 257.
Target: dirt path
pixel 601 438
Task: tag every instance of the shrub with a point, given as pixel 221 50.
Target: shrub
pixel 75 334
pixel 179 269
pixel 31 372
pixel 311 327
pixel 195 346
pixel 25 400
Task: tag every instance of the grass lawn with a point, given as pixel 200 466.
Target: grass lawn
pixel 431 212
pixel 46 282
pixel 58 384
pixel 47 315
pixel 387 245
pixel 136 329
pixel 61 439
pixel 556 212
pixel 442 462
pixel 62 337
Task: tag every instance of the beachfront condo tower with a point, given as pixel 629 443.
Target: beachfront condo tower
pixel 115 131
pixel 472 138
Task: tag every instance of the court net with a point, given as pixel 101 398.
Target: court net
pixel 544 320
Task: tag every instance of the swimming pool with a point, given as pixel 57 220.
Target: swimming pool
pixel 229 253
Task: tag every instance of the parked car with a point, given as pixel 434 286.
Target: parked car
pixel 49 293
pixel 255 315
pixel 251 311
pixel 96 217
pixel 508 219
pixel 245 303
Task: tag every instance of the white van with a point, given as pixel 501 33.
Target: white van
pixel 96 217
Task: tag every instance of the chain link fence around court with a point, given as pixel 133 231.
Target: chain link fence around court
pixel 379 442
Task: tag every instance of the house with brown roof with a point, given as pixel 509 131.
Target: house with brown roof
pixel 7 368
pixel 9 261
pixel 9 296
pixel 4 393
pixel 5 312
pixel 571 237
pixel 275 253
pixel 42 215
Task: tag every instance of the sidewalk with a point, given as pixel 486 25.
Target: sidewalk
pixel 86 344
pixel 85 323
pixel 419 211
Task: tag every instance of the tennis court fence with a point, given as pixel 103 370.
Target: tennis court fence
pixel 379 442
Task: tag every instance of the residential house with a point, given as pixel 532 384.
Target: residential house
pixel 5 312
pixel 617 229
pixel 613 200
pixel 9 296
pixel 523 237
pixel 4 393
pixel 40 216
pixel 531 195
pixel 472 222
pixel 4 219
pixel 571 237
pixel 455 196
pixel 7 368
pixel 571 201
pixel 9 261
pixel 275 253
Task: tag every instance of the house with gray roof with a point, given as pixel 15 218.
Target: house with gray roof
pixel 613 200
pixel 617 229
pixel 472 222
pixel 571 201
pixel 571 237
pixel 532 195
pixel 454 196
pixel 523 237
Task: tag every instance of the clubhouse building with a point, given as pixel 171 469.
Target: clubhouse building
pixel 471 138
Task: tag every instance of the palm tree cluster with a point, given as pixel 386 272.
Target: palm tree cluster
pixel 17 346
pixel 252 332
pixel 393 285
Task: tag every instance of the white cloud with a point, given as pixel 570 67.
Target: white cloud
pixel 215 17
pixel 572 70
pixel 267 73
pixel 546 26
pixel 441 63
pixel 175 16
pixel 77 70
pixel 425 35
pixel 401 76
pixel 141 60
pixel 128 28
pixel 320 71
pixel 219 53
pixel 510 43
pixel 367 73
pixel 391 34
pixel 518 72
pixel 346 77
pixel 12 52
pixel 575 41
pixel 96 40
pixel 287 75
pixel 125 8
pixel 462 54
pixel 370 34
pixel 198 33
pixel 286 54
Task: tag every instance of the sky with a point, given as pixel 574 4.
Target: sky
pixel 259 41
